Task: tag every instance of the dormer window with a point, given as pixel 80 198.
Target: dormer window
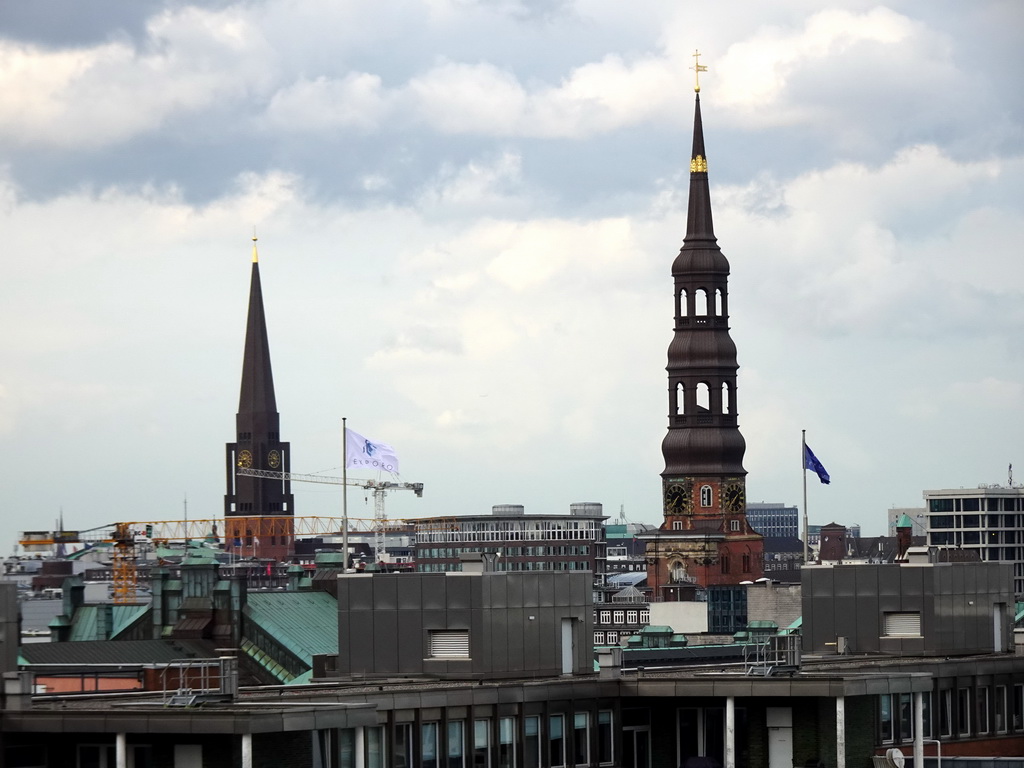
pixel 705 495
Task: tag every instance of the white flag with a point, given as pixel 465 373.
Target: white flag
pixel 369 454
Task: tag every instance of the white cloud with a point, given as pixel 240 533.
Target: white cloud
pixel 108 93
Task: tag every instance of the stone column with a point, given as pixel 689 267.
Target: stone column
pixel 730 732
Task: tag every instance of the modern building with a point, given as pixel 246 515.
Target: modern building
pixel 515 540
pixel 774 519
pixel 988 520
pixel 705 537
pixel 258 511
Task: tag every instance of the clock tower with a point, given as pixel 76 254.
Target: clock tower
pixel 258 511
pixel 705 539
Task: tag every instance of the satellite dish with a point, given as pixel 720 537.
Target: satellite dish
pixel 895 758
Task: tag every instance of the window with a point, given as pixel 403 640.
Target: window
pixel 456 756
pixel 906 624
pixel 677 525
pixel 606 617
pixel 1018 707
pixel 984 697
pixel 612 638
pixel 506 742
pixel 746 562
pixel 631 617
pixel 347 748
pixel 963 711
pixel 581 738
pixel 645 617
pixel 705 495
pixel 605 751
pixel 428 747
pixel 481 743
pixel 1000 709
pixel 449 644
pixel 906 713
pixel 599 638
pixel 946 712
pixel 725 563
pixel 619 616
pixel 403 757
pixel 734 525
pixel 556 741
pixel 531 741
pixel 375 747
pixel 885 718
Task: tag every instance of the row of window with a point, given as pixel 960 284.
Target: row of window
pixel 992 504
pixel 585 532
pixel 562 550
pixel 550 565
pixel 622 617
pixel 962 712
pixel 555 741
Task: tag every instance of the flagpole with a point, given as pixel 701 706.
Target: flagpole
pixel 344 493
pixel 803 463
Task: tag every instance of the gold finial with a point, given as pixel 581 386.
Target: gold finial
pixel 255 255
pixel 697 69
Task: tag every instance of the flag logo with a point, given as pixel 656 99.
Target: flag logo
pixel 363 453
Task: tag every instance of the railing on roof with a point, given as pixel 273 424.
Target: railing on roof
pixel 188 682
pixel 775 654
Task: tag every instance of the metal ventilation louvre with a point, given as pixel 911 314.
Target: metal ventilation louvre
pixel 903 624
pixel 449 644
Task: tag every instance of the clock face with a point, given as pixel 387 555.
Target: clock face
pixel 677 498
pixel 274 459
pixel 245 459
pixel 734 497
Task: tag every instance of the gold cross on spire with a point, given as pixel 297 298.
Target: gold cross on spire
pixel 697 69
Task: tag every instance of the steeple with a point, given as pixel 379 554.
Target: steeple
pixel 703 437
pixel 257 396
pixel 705 538
pixel 254 507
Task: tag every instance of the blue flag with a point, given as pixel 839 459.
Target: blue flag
pixel 811 462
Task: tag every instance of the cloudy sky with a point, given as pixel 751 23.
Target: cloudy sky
pixel 467 211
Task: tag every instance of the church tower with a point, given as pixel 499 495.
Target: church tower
pixel 705 539
pixel 258 510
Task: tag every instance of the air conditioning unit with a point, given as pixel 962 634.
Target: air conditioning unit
pixel 842 645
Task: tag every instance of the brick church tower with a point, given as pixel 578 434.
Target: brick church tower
pixel 258 511
pixel 705 539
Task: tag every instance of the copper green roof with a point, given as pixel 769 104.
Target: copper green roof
pixel 85 626
pixel 305 623
pixel 904 521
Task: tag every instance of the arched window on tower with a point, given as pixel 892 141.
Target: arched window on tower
pixel 719 305
pixel 677 572
pixel 700 300
pixel 705 495
pixel 682 304
pixel 726 400
pixel 703 396
pixel 680 399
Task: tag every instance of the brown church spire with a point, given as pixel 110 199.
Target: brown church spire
pixel 257 395
pixel 255 506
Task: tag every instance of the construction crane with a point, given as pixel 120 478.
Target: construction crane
pixel 379 488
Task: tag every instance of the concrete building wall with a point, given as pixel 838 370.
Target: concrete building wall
pixel 963 608
pixel 780 603
pixel 513 623
pixel 682 617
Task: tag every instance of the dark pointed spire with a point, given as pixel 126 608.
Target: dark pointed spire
pixel 699 225
pixel 257 395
